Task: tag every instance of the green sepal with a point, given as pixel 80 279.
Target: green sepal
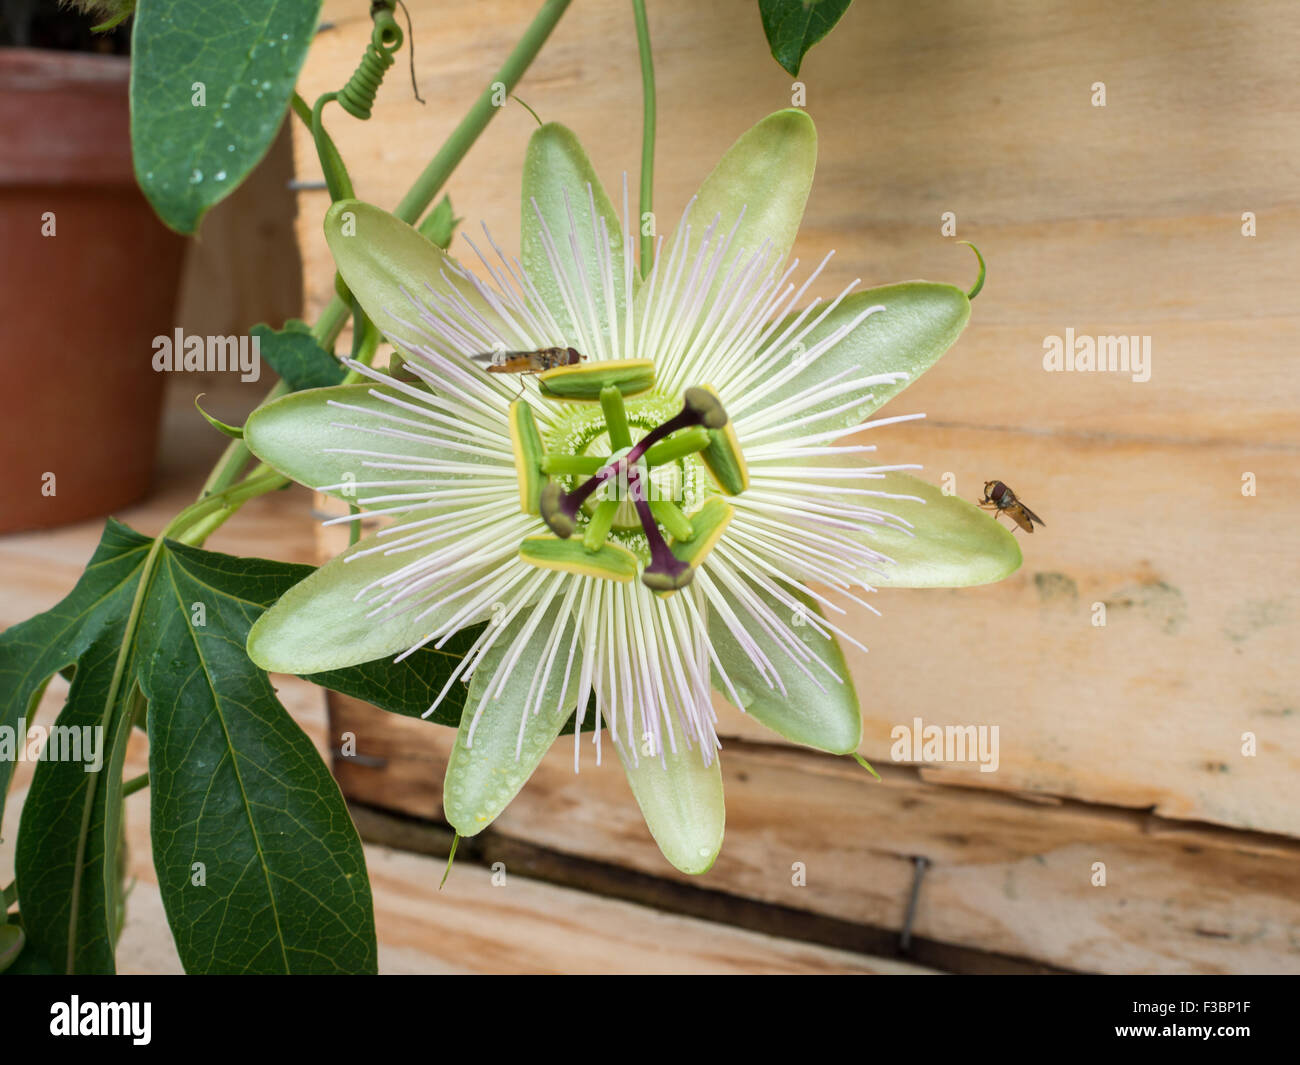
pixel 953 543
pixel 768 173
pixel 921 320
pixel 682 804
pixel 556 178
pixel 386 264
pixel 483 777
pixel 319 625
pixel 296 433
pixel 823 713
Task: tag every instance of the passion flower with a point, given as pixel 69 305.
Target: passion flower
pixel 660 519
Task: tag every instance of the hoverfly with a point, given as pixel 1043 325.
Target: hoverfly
pixel 528 362
pixel 999 498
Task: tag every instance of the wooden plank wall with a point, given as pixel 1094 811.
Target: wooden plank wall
pixel 1124 219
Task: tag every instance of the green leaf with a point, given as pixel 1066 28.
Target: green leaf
pixel 817 708
pixel 86 629
pixel 439 225
pixel 921 320
pixel 953 544
pixel 34 650
pixel 239 797
pixel 27 961
pixel 484 772
pixel 46 864
pixel 560 180
pixel 241 58
pixel 226 763
pixel 794 26
pixel 682 804
pixel 293 353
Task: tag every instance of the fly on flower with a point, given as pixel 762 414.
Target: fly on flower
pixel 527 362
pixel 639 540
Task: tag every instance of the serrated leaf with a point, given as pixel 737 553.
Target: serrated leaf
pixel 243 58
pixel 236 786
pixel 794 26
pixel 294 354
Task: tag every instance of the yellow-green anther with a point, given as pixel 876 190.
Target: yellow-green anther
pixel 725 462
pixel 670 516
pixel 571 465
pixel 602 519
pixel 707 526
pixel 611 402
pixel 705 403
pixel 680 444
pixel 585 381
pixel 527 444
pixel 610 562
pixel 552 505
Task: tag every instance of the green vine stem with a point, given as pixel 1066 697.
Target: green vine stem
pixel 647 133
pixel 435 175
pixel 427 186
pixel 135 784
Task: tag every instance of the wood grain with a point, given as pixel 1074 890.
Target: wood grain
pixel 1009 876
pixel 1115 220
pixel 479 923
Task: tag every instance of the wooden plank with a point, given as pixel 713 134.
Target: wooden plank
pixel 1007 876
pixel 1111 221
pixel 478 924
pixel 1148 711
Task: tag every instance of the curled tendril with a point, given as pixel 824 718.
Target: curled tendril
pixel 979 281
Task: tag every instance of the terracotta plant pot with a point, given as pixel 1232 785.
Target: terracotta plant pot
pixel 78 308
